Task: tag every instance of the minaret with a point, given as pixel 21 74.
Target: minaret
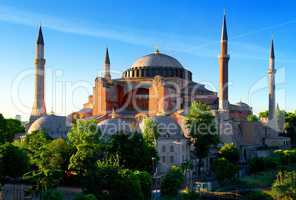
pixel 271 83
pixel 223 68
pixel 107 66
pixel 39 108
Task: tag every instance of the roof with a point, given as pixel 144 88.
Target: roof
pixel 157 59
pixel 54 126
pixel 40 37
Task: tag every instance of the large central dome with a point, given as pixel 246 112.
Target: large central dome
pixel 156 64
pixel 157 60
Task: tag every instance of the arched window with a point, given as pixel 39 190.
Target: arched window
pixel 171 148
pixel 163 148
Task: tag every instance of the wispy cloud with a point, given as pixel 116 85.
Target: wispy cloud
pixel 194 45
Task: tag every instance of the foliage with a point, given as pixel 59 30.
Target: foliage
pixel 52 194
pixel 84 132
pixel 145 183
pixel 263 114
pixel 257 195
pixel 111 182
pixel 202 130
pixel 14 161
pixel 8 129
pixel 224 170
pixel 229 152
pixel 171 182
pixel 284 186
pixel 290 126
pixel 34 143
pixel 82 196
pixel 259 180
pixel 252 118
pixel 52 163
pixel 190 195
pixel 287 156
pixel 132 151
pixel 150 132
pixel 262 164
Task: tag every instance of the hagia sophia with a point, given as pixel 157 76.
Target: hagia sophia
pixel 157 86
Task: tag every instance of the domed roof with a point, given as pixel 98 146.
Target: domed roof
pixel 54 126
pixel 157 59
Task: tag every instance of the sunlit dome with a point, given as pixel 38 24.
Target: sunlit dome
pixel 157 59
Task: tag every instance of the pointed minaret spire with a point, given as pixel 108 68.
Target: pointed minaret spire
pixel 223 68
pixel 107 65
pixel 39 108
pixel 271 84
pixel 40 37
pixel 272 50
pixel 224 36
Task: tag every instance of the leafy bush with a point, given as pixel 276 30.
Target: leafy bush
pixel 262 164
pixel 224 170
pixel 286 156
pixel 284 186
pixel 171 182
pixel 82 196
pixel 229 152
pixel 52 194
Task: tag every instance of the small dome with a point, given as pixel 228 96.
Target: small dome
pixel 243 106
pixel 166 126
pixel 157 60
pixel 54 126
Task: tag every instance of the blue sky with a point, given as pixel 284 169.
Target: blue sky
pixel 76 33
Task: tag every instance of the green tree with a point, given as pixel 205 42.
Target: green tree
pixel 150 132
pixel 52 194
pixel 229 152
pixel 52 164
pixel 132 151
pixel 202 129
pixel 85 139
pixel 224 170
pixel 252 118
pixel 84 132
pixel 290 126
pixel 263 115
pixel 9 128
pixel 284 187
pixel 112 182
pixel 34 143
pixel 14 161
pixel 171 182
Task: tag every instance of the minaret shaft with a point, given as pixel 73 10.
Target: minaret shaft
pixel 39 108
pixel 223 69
pixel 271 84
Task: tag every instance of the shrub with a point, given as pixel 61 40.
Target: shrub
pixel 82 196
pixel 229 152
pixel 262 164
pixel 224 170
pixel 52 194
pixel 286 156
pixel 171 182
pixel 284 186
